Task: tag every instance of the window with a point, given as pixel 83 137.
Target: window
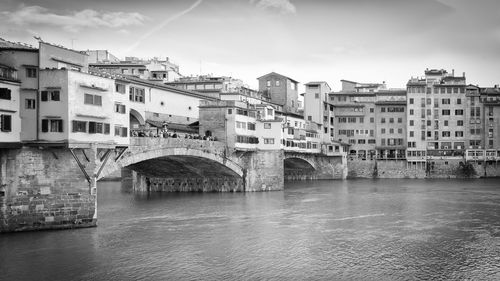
pixel 246 139
pixel 229 111
pixel 382 109
pixel 30 72
pixel 136 94
pixel 52 125
pixel 267 125
pixel 382 131
pixel 5 123
pixel 460 122
pixel 382 120
pixel 361 120
pixel 372 110
pixel 459 101
pixel 316 96
pixel 277 83
pixel 268 141
pixel 79 126
pixel 412 123
pixel 459 134
pixel 400 130
pixel 95 128
pixel 29 103
pixel 391 131
pixel 446 134
pixel 445 101
pixel 412 134
pixel 459 112
pixel 372 120
pixel 241 125
pixel 411 101
pixel 120 88
pixel 5 94
pixel 121 131
pixel 268 83
pixel 445 112
pixel 251 126
pixel 120 108
pixel 53 95
pixel 92 99
pixel 400 120
pixel 391 120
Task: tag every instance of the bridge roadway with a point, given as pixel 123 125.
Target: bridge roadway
pixel 55 187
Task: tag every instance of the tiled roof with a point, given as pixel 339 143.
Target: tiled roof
pixel 4 44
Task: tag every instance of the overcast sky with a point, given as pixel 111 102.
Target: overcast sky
pixel 308 40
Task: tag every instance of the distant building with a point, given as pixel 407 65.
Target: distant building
pixel 281 90
pixel 212 86
pixel 152 69
pixel 490 99
pixel 437 105
pixel 318 109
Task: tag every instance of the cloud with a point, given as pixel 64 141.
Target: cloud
pixel 72 21
pixel 282 6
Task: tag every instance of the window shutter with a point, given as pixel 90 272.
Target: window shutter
pixel 56 96
pixel 60 127
pixel 97 100
pixel 106 128
pixel 45 95
pixel 6 125
pixel 124 132
pixel 45 125
pixel 75 125
pixel 92 127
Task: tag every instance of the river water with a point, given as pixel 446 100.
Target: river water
pixel 313 230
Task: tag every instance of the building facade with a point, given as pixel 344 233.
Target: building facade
pixel 281 90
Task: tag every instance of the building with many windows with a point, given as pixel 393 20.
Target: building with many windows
pixel 10 121
pixel 437 118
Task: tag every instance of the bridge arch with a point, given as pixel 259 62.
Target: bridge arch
pixel 136 118
pixel 298 167
pixel 209 160
pixel 296 161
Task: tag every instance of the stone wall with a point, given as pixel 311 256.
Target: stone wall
pixel 397 169
pixel 486 169
pixel 361 168
pixel 212 184
pixel 45 189
pixel 263 169
pixel 358 168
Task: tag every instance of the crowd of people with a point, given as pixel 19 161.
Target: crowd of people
pixel 168 134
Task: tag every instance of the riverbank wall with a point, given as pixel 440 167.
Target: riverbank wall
pixel 432 168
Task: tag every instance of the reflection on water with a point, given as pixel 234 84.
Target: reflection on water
pixel 315 230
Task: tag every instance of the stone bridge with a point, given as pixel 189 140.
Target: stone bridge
pixel 54 186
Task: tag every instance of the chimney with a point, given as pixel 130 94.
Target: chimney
pixel 453 72
pixel 463 74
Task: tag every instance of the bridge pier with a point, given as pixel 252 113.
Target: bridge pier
pixel 44 188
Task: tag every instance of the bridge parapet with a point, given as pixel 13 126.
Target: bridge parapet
pixel 140 143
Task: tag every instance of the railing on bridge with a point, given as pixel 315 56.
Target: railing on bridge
pixel 214 146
